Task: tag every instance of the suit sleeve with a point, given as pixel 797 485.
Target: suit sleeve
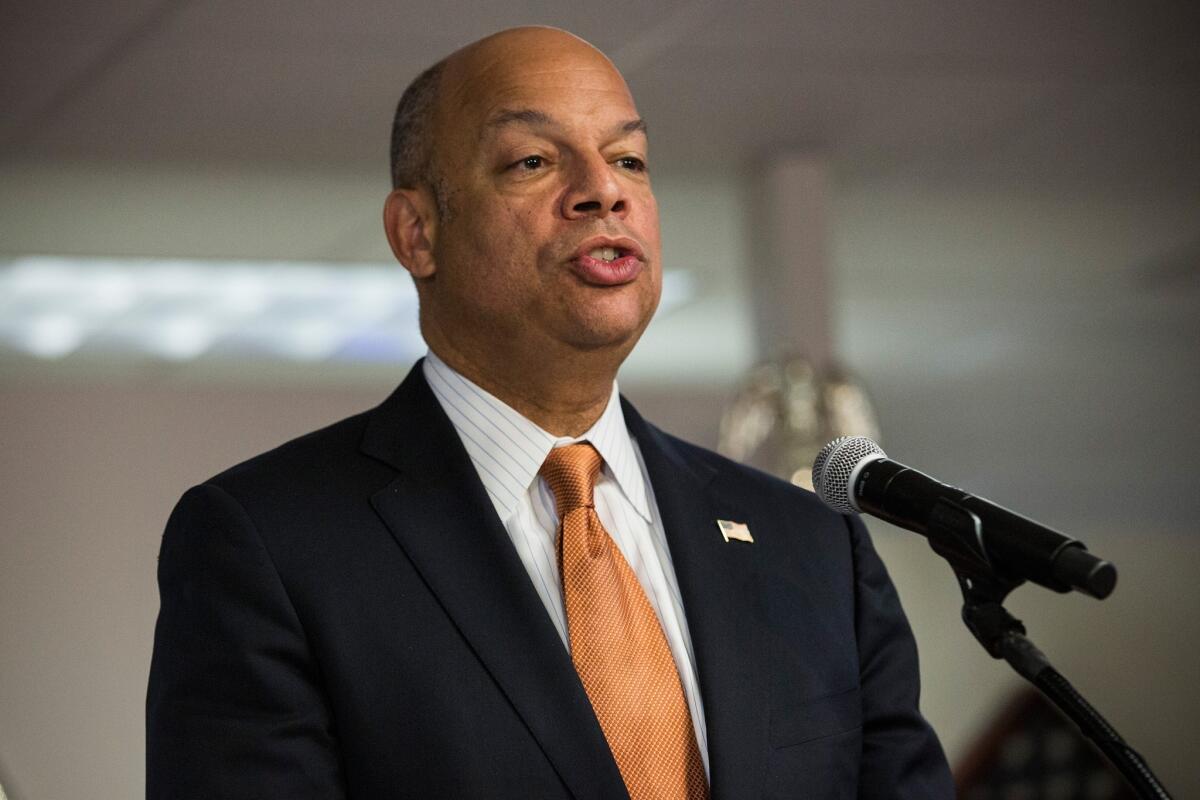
pixel 901 757
pixel 234 707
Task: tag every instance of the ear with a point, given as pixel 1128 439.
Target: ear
pixel 410 221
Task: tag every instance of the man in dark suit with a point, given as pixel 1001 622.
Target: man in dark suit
pixel 378 609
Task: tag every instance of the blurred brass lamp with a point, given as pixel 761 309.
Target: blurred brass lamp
pixel 785 412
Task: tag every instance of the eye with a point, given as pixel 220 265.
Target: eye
pixel 529 163
pixel 631 163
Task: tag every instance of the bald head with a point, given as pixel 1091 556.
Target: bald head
pixel 526 43
pixel 475 73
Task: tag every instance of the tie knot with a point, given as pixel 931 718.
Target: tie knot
pixel 571 472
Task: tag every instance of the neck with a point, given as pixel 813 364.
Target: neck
pixel 563 396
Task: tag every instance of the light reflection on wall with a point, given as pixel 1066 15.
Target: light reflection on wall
pixel 180 310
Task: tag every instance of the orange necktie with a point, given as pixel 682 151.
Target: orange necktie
pixel 618 646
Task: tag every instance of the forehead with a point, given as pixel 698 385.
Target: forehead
pixel 557 81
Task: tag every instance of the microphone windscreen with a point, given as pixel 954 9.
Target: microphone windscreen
pixel 835 465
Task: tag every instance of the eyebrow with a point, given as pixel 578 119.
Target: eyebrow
pixel 525 116
pixel 635 126
pixel 535 118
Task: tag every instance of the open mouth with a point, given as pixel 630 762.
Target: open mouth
pixel 608 249
pixel 608 263
pixel 608 254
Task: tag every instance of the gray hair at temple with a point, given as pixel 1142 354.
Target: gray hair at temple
pixel 412 135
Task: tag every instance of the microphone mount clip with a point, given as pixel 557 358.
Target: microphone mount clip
pixel 956 534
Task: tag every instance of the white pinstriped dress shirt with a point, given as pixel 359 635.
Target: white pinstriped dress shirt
pixel 508 450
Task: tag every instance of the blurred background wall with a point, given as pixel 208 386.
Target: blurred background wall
pixel 1011 231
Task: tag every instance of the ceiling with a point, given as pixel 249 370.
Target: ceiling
pixel 1078 91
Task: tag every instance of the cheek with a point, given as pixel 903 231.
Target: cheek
pixel 504 228
pixel 498 264
pixel 473 238
pixel 650 226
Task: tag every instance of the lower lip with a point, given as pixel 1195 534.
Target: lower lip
pixel 607 273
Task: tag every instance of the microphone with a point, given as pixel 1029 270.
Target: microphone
pixel 853 474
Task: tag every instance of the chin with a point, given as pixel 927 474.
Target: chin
pixel 613 322
pixel 618 339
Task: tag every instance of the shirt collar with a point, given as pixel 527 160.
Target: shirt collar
pixel 508 449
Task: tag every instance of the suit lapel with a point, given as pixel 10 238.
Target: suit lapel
pixel 717 580
pixel 441 516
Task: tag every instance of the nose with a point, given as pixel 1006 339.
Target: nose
pixel 594 190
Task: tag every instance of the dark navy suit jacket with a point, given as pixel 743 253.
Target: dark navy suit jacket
pixel 346 617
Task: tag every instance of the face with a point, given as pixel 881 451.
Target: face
pixel 552 239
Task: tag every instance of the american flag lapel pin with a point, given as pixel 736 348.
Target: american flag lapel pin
pixel 735 530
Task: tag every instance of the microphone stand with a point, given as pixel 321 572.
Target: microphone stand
pixel 957 535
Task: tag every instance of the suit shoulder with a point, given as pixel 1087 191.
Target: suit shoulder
pixel 751 482
pixel 306 462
